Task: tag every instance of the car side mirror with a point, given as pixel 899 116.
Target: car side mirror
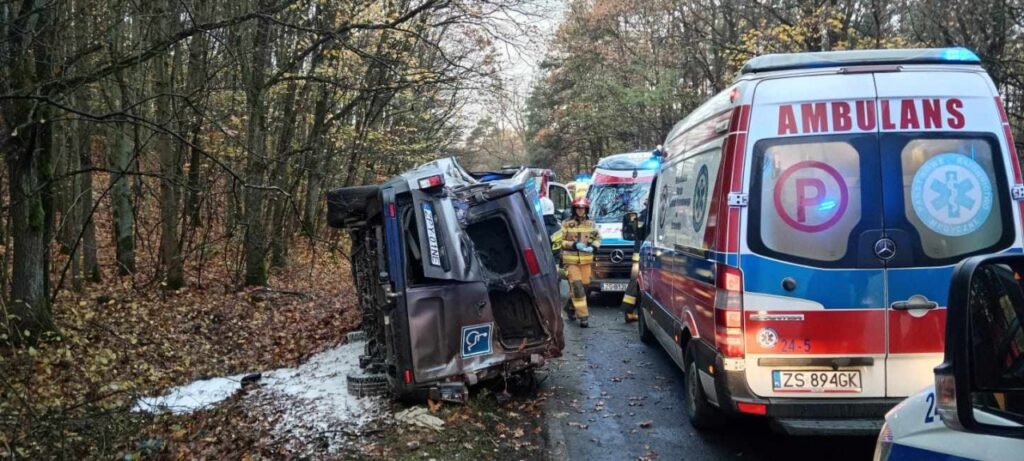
pixel 565 214
pixel 979 387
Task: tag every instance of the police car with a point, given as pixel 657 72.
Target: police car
pixel 975 410
pixel 805 222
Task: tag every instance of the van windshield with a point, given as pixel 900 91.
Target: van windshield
pixel 610 202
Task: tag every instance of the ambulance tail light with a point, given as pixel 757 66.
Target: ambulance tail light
pixel 729 311
pixel 945 398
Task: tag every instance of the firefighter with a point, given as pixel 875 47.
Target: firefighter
pixel 578 239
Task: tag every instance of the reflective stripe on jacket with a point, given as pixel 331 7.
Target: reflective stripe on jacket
pixel 574 231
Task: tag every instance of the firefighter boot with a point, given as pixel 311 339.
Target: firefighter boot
pixel 583 322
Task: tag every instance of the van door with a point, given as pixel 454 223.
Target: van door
pixel 946 181
pixel 814 292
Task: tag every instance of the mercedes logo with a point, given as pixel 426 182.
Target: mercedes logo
pixel 885 249
pixel 618 256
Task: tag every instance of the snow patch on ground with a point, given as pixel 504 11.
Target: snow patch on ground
pixel 309 399
pixel 191 397
pixel 317 397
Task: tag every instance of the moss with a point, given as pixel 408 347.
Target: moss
pixel 37 215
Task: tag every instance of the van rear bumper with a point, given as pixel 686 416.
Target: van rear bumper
pixel 795 416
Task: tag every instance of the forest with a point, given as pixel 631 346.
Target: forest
pixel 165 163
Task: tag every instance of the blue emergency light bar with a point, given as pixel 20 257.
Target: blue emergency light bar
pixel 790 61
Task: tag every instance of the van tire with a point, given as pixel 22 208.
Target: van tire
pixel 703 415
pixel 646 336
pixel 368 385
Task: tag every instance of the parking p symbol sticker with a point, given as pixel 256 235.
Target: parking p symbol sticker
pixel 811 196
pixel 804 199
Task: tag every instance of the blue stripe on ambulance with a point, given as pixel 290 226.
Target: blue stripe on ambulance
pixel 834 289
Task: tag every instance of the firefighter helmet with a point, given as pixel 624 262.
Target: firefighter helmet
pixel 581 202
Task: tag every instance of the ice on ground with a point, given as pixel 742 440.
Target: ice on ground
pixel 191 397
pixel 311 397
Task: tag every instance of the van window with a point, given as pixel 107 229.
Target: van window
pixel 686 197
pixel 807 193
pixel 953 194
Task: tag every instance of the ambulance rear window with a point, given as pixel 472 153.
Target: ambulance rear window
pixel 954 195
pixel 806 197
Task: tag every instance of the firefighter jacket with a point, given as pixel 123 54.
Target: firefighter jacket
pixel 576 230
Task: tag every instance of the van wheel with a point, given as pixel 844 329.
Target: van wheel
pixel 702 414
pixel 646 336
pixel 367 385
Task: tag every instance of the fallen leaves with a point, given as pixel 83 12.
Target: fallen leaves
pixel 119 341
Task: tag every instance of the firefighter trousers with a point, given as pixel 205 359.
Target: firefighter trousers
pixel 579 278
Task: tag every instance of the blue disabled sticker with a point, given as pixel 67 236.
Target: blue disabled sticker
pixel 952 194
pixel 476 340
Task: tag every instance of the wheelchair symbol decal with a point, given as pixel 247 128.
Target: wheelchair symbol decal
pixel 476 340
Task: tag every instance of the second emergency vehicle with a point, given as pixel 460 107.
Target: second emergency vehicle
pixel 619 185
pixel 805 225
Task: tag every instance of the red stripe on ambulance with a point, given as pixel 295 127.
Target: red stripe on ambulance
pixel 895 115
pixel 816 333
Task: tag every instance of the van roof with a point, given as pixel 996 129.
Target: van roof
pixel 790 61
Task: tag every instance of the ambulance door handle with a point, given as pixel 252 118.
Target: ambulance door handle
pixel 915 302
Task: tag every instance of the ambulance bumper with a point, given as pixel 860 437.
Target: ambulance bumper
pixel 796 416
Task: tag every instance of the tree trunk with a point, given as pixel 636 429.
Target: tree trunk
pixel 197 70
pixel 25 53
pixel 170 159
pixel 90 264
pixel 255 245
pixel 29 284
pixel 71 227
pixel 120 161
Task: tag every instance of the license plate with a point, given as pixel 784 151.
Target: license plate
pixel 816 381
pixel 614 286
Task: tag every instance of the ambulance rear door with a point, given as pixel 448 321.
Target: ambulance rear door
pixel 946 179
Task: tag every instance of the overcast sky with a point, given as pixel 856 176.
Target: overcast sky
pixel 523 49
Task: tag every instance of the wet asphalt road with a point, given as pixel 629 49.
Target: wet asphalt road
pixel 608 384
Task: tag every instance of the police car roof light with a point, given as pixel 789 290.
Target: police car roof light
pixel 790 61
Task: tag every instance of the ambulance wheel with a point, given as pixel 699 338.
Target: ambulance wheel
pixel 702 414
pixel 646 336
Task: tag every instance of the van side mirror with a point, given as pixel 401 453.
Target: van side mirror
pixel 564 214
pixel 979 386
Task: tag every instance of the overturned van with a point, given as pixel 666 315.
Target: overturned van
pixel 453 279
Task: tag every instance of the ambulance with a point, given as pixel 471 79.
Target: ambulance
pixel 619 185
pixel 806 222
